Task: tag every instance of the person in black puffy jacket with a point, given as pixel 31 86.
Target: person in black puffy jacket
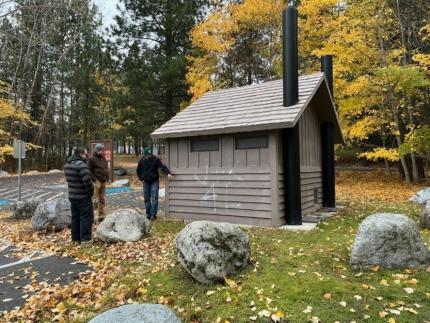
pixel 81 190
pixel 147 171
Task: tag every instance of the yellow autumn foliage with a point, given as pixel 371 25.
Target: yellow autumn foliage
pixel 381 153
pixel 7 113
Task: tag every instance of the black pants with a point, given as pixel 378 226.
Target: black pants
pixel 82 218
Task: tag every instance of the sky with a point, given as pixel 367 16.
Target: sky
pixel 107 9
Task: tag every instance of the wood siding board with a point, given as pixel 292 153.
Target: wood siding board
pixel 221 211
pixel 252 192
pixel 227 184
pixel 239 158
pixel 204 159
pixel 215 204
pixel 223 177
pixel 221 198
pixel 227 158
pixel 183 153
pixel 221 218
pixel 252 157
pixel 274 166
pixel 174 153
pixel 222 171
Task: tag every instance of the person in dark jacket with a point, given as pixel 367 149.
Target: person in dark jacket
pixel 81 191
pixel 147 171
pixel 99 170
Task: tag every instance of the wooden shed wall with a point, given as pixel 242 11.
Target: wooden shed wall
pixel 227 185
pixel 310 163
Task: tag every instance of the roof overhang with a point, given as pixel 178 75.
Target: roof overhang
pixel 320 96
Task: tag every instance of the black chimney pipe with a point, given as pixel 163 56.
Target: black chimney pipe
pixel 327 143
pixel 290 56
pixel 291 136
pixel 327 68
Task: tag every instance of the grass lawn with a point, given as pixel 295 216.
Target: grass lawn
pixel 299 277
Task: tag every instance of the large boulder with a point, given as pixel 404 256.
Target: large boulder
pixel 425 217
pixel 123 225
pixel 32 172
pixel 55 171
pixel 120 171
pixel 54 214
pixel 138 313
pixel 422 196
pixel 25 209
pixel 389 240
pixel 121 183
pixel 211 251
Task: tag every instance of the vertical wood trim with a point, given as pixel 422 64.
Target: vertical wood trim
pixel 274 184
pixel 167 181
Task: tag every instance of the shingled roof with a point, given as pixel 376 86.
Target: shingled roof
pixel 250 108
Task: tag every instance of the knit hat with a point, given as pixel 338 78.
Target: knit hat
pixel 99 147
pixel 147 151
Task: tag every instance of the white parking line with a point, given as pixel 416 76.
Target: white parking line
pixel 53 197
pixel 30 194
pixel 8 192
pixel 41 195
pixel 24 260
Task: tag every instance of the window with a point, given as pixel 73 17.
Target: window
pixel 252 142
pixel 206 144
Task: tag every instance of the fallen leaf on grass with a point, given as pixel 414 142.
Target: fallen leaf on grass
pixel 396 312
pixel 343 303
pixel 210 292
pixel 264 313
pixel 308 309
pixel 231 283
pixel 384 282
pixel 408 290
pixel 327 296
pixel 411 310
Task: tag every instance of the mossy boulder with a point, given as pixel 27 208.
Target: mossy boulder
pixel 391 241
pixel 25 209
pixel 123 225
pixel 211 251
pixel 138 313
pixel 425 217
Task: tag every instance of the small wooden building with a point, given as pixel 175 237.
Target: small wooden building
pixel 241 155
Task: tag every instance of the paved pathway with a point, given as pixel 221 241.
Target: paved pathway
pixel 18 269
pixel 48 187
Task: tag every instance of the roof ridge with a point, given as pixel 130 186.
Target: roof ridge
pixel 259 84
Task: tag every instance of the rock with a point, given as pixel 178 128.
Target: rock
pixel 120 171
pixel 3 173
pixel 25 209
pixel 53 214
pixel 121 183
pixel 55 171
pixel 123 225
pixel 389 240
pixel 138 313
pixel 211 251
pixel 425 217
pixel 422 196
pixel 162 193
pixel 32 172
